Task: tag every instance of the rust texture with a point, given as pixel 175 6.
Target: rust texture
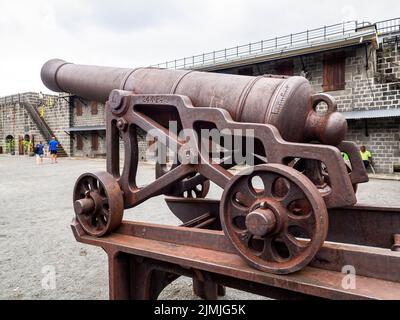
pixel 268 233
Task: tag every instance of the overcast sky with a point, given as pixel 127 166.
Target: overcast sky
pixel 139 33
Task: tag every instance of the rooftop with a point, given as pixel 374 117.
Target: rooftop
pixel 324 38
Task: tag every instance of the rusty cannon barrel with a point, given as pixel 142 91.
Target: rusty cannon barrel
pixel 288 103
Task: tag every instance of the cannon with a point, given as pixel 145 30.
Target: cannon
pixel 274 211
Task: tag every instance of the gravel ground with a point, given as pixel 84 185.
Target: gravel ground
pixel 35 236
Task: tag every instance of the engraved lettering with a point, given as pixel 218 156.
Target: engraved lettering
pixel 155 99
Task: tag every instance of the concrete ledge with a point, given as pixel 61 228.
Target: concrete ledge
pixel 385 176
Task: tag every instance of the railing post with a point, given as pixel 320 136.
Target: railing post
pixel 307 36
pixel 291 39
pixel 276 42
pixel 214 56
pixel 262 45
pixel 225 53
pixel 237 51
pixel 175 64
pixel 324 32
pixel 203 58
pixel 250 48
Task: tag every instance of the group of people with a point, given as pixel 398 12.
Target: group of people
pixel 39 151
pixel 366 156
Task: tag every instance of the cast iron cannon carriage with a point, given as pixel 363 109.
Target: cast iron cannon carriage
pixel 277 225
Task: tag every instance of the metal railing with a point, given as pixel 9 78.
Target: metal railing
pixel 287 42
pixel 388 26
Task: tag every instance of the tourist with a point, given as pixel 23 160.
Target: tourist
pixel 53 144
pixel 366 156
pixel 39 153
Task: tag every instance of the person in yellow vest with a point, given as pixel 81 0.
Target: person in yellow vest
pixel 366 156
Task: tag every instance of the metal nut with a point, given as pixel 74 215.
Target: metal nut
pixel 122 124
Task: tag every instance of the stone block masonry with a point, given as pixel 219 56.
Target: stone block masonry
pixel 16 121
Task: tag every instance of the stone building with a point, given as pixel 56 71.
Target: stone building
pixel 28 118
pixel 357 63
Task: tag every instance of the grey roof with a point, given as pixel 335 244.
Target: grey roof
pixel 371 114
pixel 86 128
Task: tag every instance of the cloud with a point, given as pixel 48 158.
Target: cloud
pixel 121 16
pixel 140 33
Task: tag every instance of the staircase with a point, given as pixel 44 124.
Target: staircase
pixel 43 127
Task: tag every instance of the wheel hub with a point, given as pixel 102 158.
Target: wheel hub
pixel 261 222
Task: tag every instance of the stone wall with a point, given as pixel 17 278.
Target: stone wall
pixel 16 121
pixel 382 139
pixel 89 119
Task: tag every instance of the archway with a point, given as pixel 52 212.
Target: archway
pixel 27 144
pixel 10 144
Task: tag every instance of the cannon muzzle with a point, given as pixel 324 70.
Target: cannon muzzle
pixel 288 103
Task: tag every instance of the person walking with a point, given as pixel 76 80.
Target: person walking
pixel 366 156
pixel 53 144
pixel 39 153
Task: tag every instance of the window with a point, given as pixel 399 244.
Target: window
pixel 79 142
pixel 94 108
pixel 95 141
pixel 78 107
pixel 334 71
pixel 284 68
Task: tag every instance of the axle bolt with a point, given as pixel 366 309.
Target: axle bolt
pixel 116 100
pixel 84 205
pixel 122 124
pixel 260 222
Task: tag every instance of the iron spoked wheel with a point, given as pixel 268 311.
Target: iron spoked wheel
pixel 275 218
pixel 186 188
pixel 199 191
pixel 98 203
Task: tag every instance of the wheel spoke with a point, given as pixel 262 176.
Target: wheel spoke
pixel 295 246
pixel 245 194
pixel 238 210
pixel 244 236
pixel 94 183
pixel 100 222
pixel 267 253
pixel 89 215
pixel 306 223
pixel 294 193
pixel 83 187
pixel 268 180
pixel 102 191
